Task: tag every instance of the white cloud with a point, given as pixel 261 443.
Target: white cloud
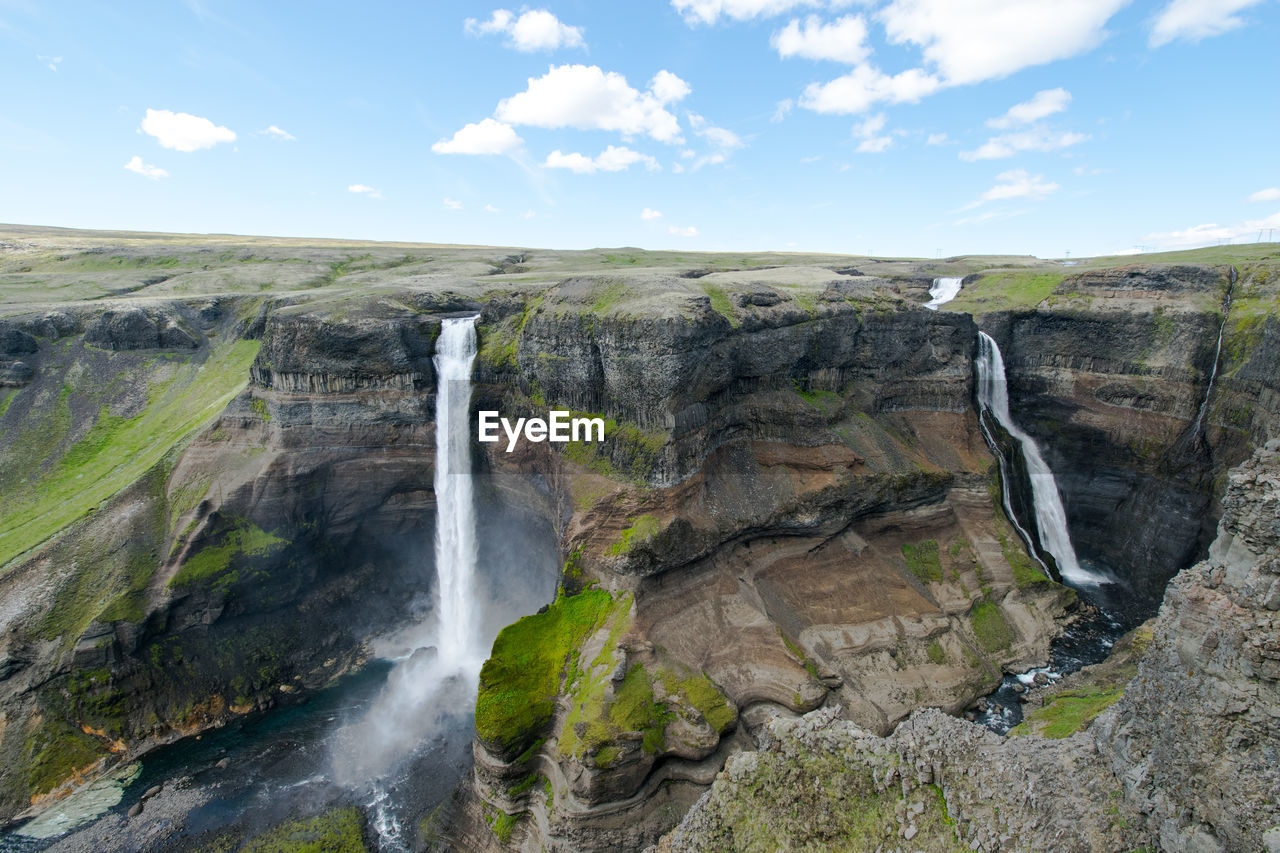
pixel 1194 20
pixel 155 173
pixel 875 145
pixel 451 203
pixel 1211 233
pixel 781 109
pixel 972 40
pixel 1269 194
pixel 865 86
pixel 1016 184
pixel 709 11
pixel 687 231
pixel 1042 104
pixel 50 62
pixel 484 137
pixel 936 139
pixel 276 133
pixel 649 213
pixel 183 131
pixel 488 208
pixel 587 98
pixel 536 29
pixel 528 214
pixel 869 131
pixel 722 142
pixel 843 40
pixel 612 159
pixel 1034 139
pixel 364 189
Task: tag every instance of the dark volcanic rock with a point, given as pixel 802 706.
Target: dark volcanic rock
pixel 16 342
pixel 15 373
pixel 133 328
pixel 313 354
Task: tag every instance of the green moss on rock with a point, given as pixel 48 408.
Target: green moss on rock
pixel 530 658
pixel 642 529
pixel 923 561
pixel 220 565
pixel 990 627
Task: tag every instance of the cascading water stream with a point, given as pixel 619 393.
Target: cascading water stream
pixel 943 291
pixel 430 689
pixel 1197 431
pixel 1051 518
pixel 455 503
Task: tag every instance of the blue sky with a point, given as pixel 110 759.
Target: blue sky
pixel 904 127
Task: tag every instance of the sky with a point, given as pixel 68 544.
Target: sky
pixel 925 128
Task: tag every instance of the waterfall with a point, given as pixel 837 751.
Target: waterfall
pixel 943 291
pixel 455 505
pixel 432 689
pixel 1051 518
pixel 1198 428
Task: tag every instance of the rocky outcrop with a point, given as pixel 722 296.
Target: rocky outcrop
pixel 1195 737
pixel 1184 761
pixel 133 328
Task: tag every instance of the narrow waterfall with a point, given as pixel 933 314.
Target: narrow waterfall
pixel 1197 431
pixel 1051 518
pixel 455 505
pixel 432 689
pixel 943 291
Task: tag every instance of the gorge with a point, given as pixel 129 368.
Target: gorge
pixel 818 510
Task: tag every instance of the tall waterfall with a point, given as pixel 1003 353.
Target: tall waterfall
pixel 1051 518
pixel 432 689
pixel 1197 430
pixel 943 291
pixel 455 506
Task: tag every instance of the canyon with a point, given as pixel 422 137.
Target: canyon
pixel 218 496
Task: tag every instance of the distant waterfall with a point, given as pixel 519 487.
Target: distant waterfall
pixel 1198 429
pixel 1051 518
pixel 455 505
pixel 943 291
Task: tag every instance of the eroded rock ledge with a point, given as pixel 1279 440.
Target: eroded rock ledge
pixel 1185 761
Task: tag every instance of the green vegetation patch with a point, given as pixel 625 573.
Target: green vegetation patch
pixel 522 677
pixel 1004 289
pixel 116 451
pixel 990 627
pixel 219 565
pixel 721 303
pixel 641 531
pixel 56 751
pixel 337 831
pixel 1026 572
pixel 6 399
pixel 628 452
pixel 503 825
pixel 1070 711
pixel 923 561
pixel 936 653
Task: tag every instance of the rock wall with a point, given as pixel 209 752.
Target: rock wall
pixel 1186 760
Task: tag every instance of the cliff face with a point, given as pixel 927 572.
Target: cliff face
pixel 1109 372
pixel 793 507
pixel 257 556
pixel 1185 761
pixel 809 520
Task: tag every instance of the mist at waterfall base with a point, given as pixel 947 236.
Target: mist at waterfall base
pixel 1091 636
pixel 392 738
